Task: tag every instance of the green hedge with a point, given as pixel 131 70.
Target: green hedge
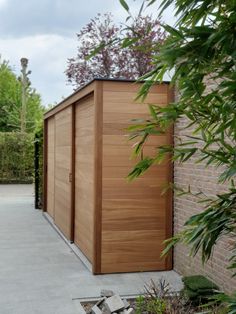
pixel 39 168
pixel 16 157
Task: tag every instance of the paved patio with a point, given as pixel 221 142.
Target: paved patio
pixel 39 274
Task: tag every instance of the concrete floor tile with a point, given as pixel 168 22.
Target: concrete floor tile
pixel 39 273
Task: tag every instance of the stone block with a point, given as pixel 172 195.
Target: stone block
pixel 95 310
pixel 114 303
pixel 126 303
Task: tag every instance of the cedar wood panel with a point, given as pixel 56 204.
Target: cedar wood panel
pixel 84 175
pixel 119 226
pixel 50 166
pixel 134 214
pixel 63 157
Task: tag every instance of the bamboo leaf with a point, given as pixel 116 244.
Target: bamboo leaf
pixel 124 5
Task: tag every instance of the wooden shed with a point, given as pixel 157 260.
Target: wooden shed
pixel 118 225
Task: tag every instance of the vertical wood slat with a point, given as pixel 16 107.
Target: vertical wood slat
pixel 72 219
pixel 170 199
pixel 50 167
pixel 98 143
pixel 63 149
pixel 84 175
pixel 45 146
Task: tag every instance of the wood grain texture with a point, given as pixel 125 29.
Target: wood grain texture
pixel 72 218
pixel 84 176
pixel 98 147
pixel 170 204
pixel 63 168
pixel 119 226
pixel 45 164
pixel 75 97
pixel 135 218
pixel 50 165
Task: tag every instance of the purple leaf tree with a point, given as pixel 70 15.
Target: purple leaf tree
pixel 121 52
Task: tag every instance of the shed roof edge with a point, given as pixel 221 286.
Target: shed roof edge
pixel 90 82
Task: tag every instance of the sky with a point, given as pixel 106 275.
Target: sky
pixel 45 32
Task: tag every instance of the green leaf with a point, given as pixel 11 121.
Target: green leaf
pixel 95 51
pixel 141 9
pixel 200 50
pixel 127 42
pixel 153 112
pixel 173 31
pixel 124 5
pixel 150 2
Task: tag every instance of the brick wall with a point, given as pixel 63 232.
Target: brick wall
pixel 204 179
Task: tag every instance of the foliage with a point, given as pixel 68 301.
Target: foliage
pixel 10 103
pixel 228 301
pixel 198 289
pixel 199 49
pixel 39 142
pixel 158 299
pixel 143 37
pixel 16 157
pixel 99 53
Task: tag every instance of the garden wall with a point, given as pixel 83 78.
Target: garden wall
pixel 204 179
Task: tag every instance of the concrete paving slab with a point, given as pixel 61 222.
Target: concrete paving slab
pixel 39 273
